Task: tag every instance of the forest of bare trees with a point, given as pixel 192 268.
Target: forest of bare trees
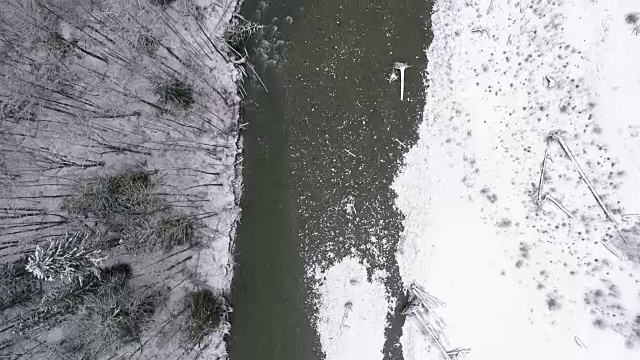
pixel 118 154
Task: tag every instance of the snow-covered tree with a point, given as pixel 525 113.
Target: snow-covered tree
pixel 66 256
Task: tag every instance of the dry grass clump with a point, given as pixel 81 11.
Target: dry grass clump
pixel 129 214
pixel 177 93
pixel 206 311
pixel 175 231
pixel 58 45
pixel 111 198
pixel 147 43
pixel 151 234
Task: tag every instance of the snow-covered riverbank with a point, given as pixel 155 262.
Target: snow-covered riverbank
pixel 527 273
pixel 119 138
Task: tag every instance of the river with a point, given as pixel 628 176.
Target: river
pixel 330 131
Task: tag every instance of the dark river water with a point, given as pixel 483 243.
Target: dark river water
pixel 329 134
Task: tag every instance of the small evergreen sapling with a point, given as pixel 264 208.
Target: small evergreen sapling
pixel 237 35
pixel 66 257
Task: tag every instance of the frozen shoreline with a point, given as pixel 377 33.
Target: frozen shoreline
pixel 522 280
pixel 218 271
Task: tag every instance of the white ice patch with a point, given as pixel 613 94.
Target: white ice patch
pixel 351 312
pixel 523 281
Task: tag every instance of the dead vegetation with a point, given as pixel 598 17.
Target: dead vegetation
pixel 422 307
pixel 206 311
pixel 109 320
pixel 542 195
pixel 118 128
pixel 17 285
pixel 177 93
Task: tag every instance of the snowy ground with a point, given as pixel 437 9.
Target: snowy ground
pixel 193 154
pixel 523 278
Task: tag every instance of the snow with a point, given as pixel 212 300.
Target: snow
pixel 202 166
pixel 352 311
pixel 521 280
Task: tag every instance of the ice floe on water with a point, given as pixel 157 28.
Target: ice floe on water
pixel 352 309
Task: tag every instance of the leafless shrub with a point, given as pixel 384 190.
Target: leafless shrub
pixel 17 286
pixel 66 298
pixel 109 320
pixel 60 303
